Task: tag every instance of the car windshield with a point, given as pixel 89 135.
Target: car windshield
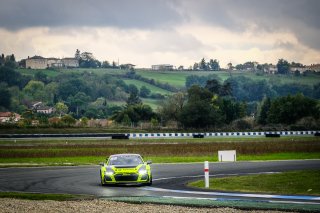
pixel 132 160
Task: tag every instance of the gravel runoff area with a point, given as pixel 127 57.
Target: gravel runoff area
pixel 98 205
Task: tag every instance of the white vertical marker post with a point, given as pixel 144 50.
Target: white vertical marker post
pixel 206 174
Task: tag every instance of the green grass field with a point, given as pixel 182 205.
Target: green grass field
pixel 154 89
pixel 153 103
pixel 178 78
pixel 78 152
pixel 293 183
pixel 32 72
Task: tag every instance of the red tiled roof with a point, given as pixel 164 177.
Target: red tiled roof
pixel 8 114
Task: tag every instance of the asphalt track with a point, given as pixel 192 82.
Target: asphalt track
pixel 168 180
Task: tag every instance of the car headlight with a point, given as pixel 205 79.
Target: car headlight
pixel 109 171
pixel 142 170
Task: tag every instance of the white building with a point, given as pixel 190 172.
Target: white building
pixel 38 62
pixel 162 67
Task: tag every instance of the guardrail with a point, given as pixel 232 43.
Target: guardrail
pixel 79 135
pixel 166 135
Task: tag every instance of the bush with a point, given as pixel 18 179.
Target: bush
pixel 55 122
pixel 242 124
pixel 306 123
pixel 84 121
pixel 68 120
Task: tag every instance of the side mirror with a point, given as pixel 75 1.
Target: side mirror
pixel 149 162
pixel 101 163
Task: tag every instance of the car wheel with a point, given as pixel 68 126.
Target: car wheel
pixel 102 182
pixel 150 182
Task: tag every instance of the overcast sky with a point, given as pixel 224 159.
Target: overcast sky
pixel 178 32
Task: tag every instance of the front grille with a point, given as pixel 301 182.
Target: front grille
pixel 131 177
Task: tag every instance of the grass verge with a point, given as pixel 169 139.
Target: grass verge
pixel 36 196
pixel 95 160
pixel 293 183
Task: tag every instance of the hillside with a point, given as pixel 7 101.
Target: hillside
pixel 158 81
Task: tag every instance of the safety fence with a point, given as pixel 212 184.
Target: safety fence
pixel 166 135
pixel 220 134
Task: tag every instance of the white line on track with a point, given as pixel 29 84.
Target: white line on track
pixel 293 202
pixel 195 176
pixel 228 194
pixel 191 198
pixel 226 199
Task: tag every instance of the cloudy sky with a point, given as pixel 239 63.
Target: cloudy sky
pixel 178 32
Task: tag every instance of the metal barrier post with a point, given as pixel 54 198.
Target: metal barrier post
pixel 206 174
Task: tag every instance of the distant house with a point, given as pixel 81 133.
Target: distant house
pixel 39 62
pixel 127 66
pixel 39 107
pixel 36 62
pixel 54 63
pixel 271 69
pixel 299 69
pixel 312 67
pixel 6 117
pixel 70 62
pixel 162 67
pixel 45 110
pixel 34 105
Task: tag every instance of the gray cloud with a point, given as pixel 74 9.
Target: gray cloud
pixel 17 14
pixel 284 45
pixel 298 16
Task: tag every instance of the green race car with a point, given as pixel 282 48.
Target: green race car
pixel 126 169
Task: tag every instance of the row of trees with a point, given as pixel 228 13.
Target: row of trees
pixel 90 97
pixel 212 65
pixel 214 106
pixel 249 90
pixel 87 60
pixel 283 66
pixel 287 110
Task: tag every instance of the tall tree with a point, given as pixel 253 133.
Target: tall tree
pixel 144 92
pixel 5 99
pixel 133 99
pixel 12 77
pixel 283 66
pixel 171 107
pixel 77 54
pixel 195 66
pixel 213 86
pixel 198 111
pixel 35 89
pixel 203 64
pixel 289 109
pixel 61 108
pixel 214 65
pixel 78 102
pixel 263 111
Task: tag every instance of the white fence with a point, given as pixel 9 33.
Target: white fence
pixel 219 134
